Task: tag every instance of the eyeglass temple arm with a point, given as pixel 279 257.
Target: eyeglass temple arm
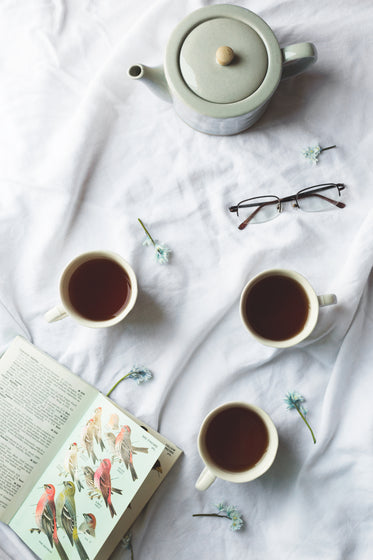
pixel 237 206
pixel 335 202
pixel 249 218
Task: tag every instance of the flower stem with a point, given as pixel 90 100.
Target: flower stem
pixel 328 148
pixel 305 420
pixel 146 231
pixel 209 515
pixel 116 384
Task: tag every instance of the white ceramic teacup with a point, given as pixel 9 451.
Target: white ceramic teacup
pixel 314 302
pixel 213 470
pixel 66 308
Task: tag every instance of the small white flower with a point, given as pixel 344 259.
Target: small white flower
pixel 127 541
pixel 312 153
pixel 295 400
pixel 140 374
pixel 236 524
pixel 229 512
pixel 162 252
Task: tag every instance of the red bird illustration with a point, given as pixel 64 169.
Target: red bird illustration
pixel 102 482
pixel 124 449
pixel 45 516
pixel 89 475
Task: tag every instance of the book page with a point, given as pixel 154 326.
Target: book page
pixel 89 484
pixel 40 402
pixel 159 471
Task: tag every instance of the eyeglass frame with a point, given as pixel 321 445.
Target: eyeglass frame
pixel 295 197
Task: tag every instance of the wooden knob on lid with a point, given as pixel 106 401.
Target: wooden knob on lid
pixel 224 55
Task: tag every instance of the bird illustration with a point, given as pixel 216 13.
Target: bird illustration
pixel 89 524
pixel 66 517
pixel 45 516
pixel 102 482
pixel 71 464
pixel 124 449
pixel 113 423
pixel 110 440
pixel 157 466
pixel 88 439
pixel 89 474
pixel 97 431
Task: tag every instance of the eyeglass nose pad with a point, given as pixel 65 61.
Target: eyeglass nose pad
pixel 279 207
pixel 295 204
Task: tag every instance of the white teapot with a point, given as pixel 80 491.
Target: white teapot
pixel 223 64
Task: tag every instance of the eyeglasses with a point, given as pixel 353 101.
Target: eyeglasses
pixel 318 198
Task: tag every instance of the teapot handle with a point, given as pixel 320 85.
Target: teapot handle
pixel 296 58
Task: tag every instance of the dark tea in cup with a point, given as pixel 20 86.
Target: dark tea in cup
pixel 99 289
pixel 277 307
pixel 236 439
pixel 280 308
pixel 237 442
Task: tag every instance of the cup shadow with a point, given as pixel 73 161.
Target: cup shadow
pixel 286 463
pixel 146 310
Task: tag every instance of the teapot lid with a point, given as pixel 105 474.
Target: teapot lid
pixel 223 60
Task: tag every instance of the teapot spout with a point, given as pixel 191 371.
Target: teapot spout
pixel 154 78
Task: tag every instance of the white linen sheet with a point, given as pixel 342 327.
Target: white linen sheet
pixel 85 151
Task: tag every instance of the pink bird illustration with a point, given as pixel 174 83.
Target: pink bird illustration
pixel 88 439
pixel 102 482
pixel 45 516
pixel 89 474
pixel 97 431
pixel 124 449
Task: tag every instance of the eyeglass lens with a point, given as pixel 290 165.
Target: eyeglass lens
pixel 319 199
pixel 259 209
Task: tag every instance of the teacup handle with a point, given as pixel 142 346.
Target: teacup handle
pixel 296 58
pixel 205 479
pixel 327 299
pixel 55 314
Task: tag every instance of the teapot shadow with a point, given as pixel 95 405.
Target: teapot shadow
pixel 290 97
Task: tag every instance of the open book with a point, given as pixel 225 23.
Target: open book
pixel 76 468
